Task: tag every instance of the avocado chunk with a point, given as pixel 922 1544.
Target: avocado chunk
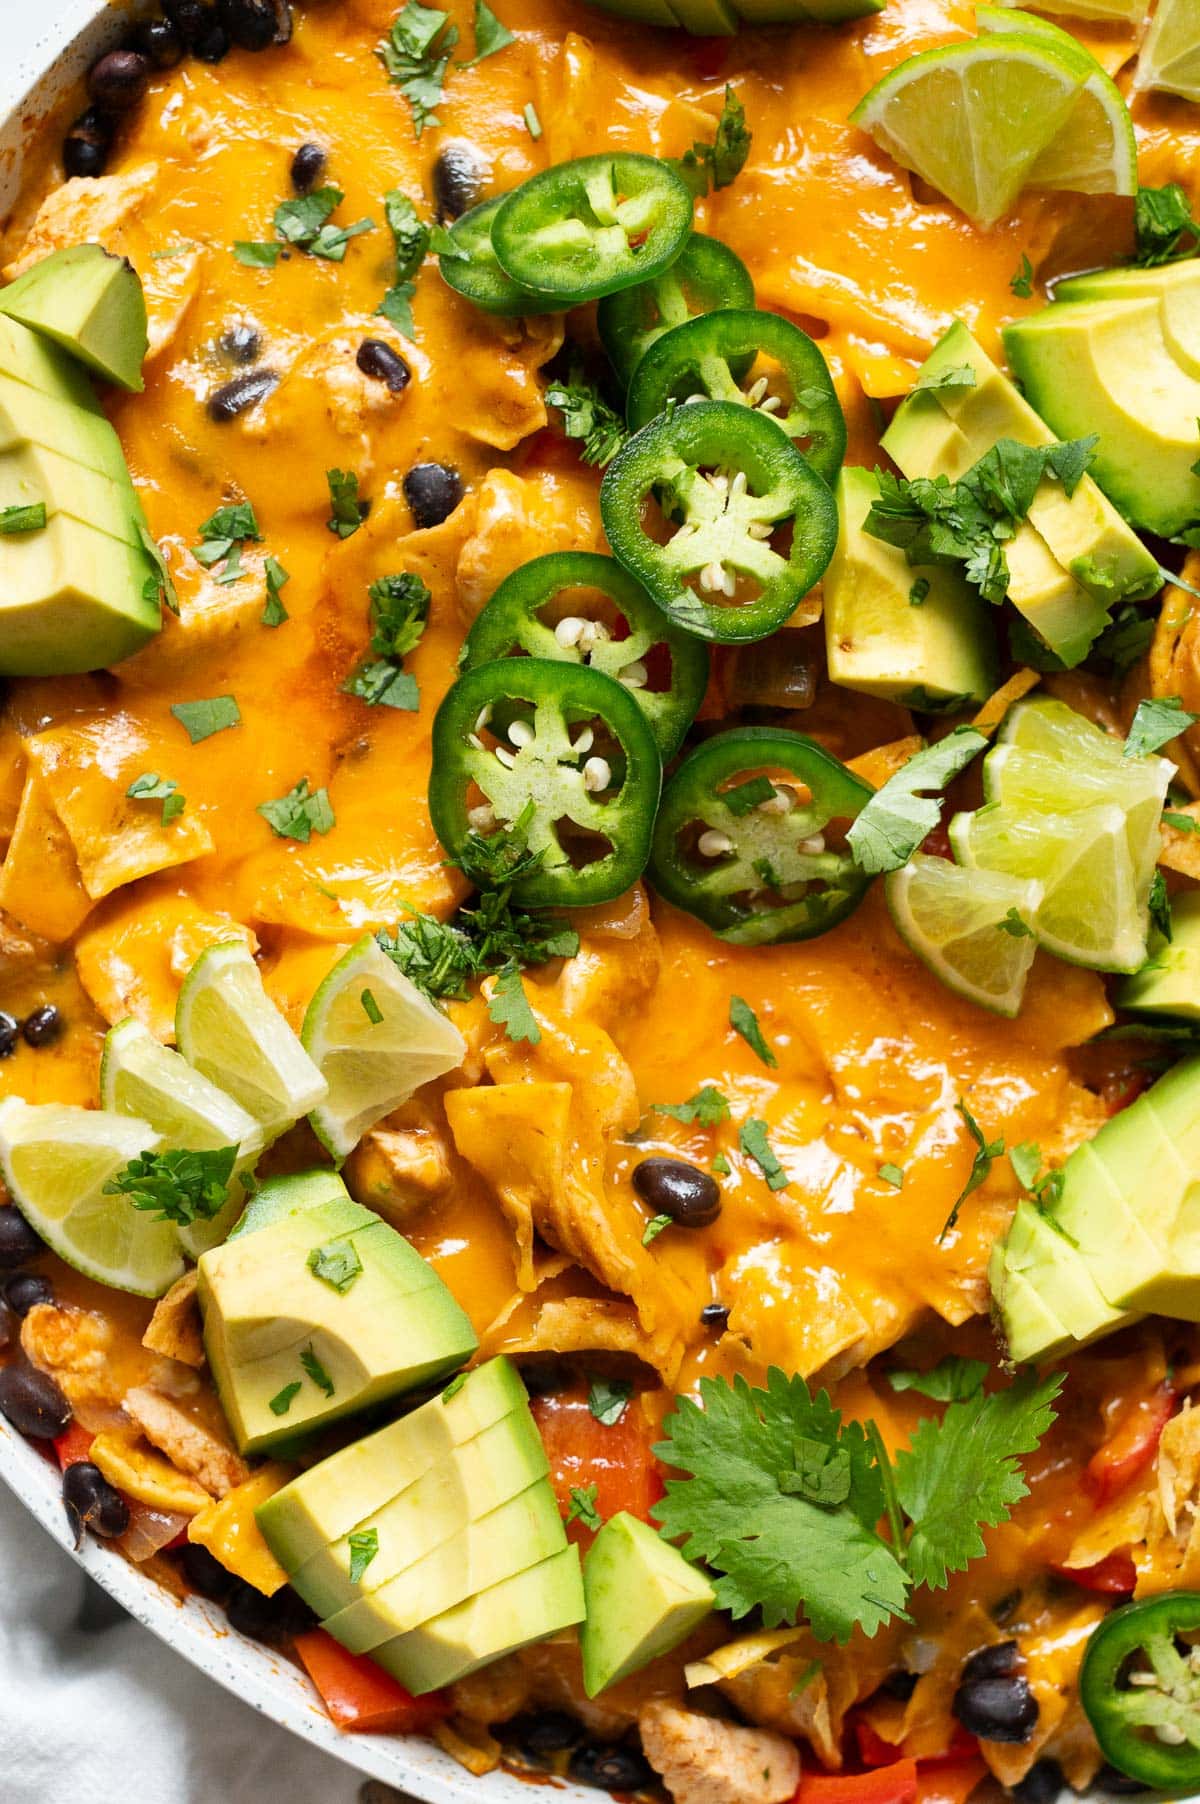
pixel 91 304
pixel 277 1198
pixel 30 416
pixel 29 359
pixel 1170 983
pixel 1074 557
pixel 531 1606
pixel 1126 365
pixel 488 1549
pixel 810 12
pixel 30 475
pixel 706 18
pixel 470 1480
pixel 920 637
pixel 344 1491
pixel 291 1349
pixel 1045 1294
pixel 72 599
pixel 643 1598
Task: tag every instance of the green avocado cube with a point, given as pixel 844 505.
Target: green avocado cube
pixel 30 360
pixel 343 1492
pixel 469 1480
pixel 277 1198
pixel 72 599
pixel 30 474
pixel 1170 983
pixel 531 1606
pixel 509 1539
pixel 1046 1296
pixel 30 417
pixel 91 304
pixel 643 1598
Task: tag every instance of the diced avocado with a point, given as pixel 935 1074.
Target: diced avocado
pixel 29 359
pixel 272 1322
pixel 814 12
pixel 516 1535
pixel 30 417
pixel 469 1480
pixel 91 304
pixel 1104 366
pixel 1046 1294
pixel 643 1598
pixel 31 474
pixel 644 12
pixel 277 1198
pixel 333 1498
pixel 1170 983
pixel 72 599
pixel 920 637
pixel 1176 286
pixel 532 1606
pixel 705 18
pixel 1030 1329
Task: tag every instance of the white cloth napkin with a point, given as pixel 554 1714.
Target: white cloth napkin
pixel 96 1710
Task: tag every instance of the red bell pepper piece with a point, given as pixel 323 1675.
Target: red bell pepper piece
pixel 1131 1447
pixel 73 1445
pixel 895 1784
pixel 583 1452
pixel 948 1782
pixel 873 1750
pixel 1114 1576
pixel 359 1695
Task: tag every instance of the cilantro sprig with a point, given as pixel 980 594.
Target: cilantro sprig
pixel 783 1499
pixel 1155 723
pixel 718 164
pixel 180 1186
pixel 903 812
pixel 416 54
pixel 1164 228
pixel 587 416
pixel 399 613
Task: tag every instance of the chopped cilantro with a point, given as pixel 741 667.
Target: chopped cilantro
pixel 1164 229
pixel 587 416
pixel 306 222
pixel 336 1263
pixel 347 511
pixel 654 1228
pixel 1045 1187
pixel 607 1399
pixel 509 1006
pixel 364 1545
pixel 257 255
pixel 533 124
pixel 1125 641
pixel 221 539
pixel 180 1186
pixel 717 164
pixel 28 518
pixel 950 1381
pixel 299 814
pixel 416 54
pixel 1015 925
pixel 583 1507
pixel 744 796
pixel 1182 823
pixel 959 376
pixel 150 787
pixel 707 1107
pixel 721 1166
pixel 491 34
pixel 1155 723
pixel 986 1152
pixel 919 593
pixel 371 1008
pixel 201 719
pixel 455 1385
pixel 752 1138
pixel 744 1021
pixel 281 1402
pixel 1021 281
pixel 160 585
pixel 399 608
pixel 410 237
pixel 316 1371
pixel 274 613
pixel 892 1174
pixel 899 815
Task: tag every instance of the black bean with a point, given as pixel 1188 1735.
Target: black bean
pixel 1042 1783
pixel 253 24
pixel 269 1619
pixel 159 43
pixel 19 1243
pixel 997 1709
pixel 204 1573
pixel 24 1290
pixel 682 1191
pixel 716 1316
pixel 92 1502
pixel 118 81
pixel 191 19
pixel 1116 1784
pixel 87 144
pixel 549 1732
pixel 44 1026
pixel 610 1768
pixel 241 394
pixel 10 1033
pixel 240 344
pixel 212 46
pixel 432 491
pixel 9 1327
pixel 308 166
pixel 378 360
pixel 458 177
pixel 33 1403
pixel 996 1662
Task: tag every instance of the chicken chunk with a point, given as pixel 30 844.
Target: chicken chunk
pixel 188 1444
pixel 399 1171
pixel 87 210
pixel 519 518
pixel 704 1761
pixel 74 1347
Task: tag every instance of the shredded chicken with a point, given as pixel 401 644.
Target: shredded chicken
pixel 189 1446
pixel 398 1171
pixel 705 1761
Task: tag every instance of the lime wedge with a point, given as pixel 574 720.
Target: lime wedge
pixel 375 1039
pixel 1034 783
pixel 972 119
pixel 1129 12
pixel 1170 54
pixel 1095 152
pixel 140 1077
pixel 1044 725
pixel 966 926
pixel 1091 913
pixel 229 1030
pixel 56 1160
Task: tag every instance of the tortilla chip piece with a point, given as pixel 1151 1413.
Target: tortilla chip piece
pixel 1172 1550
pixel 133 959
pixel 175 1329
pixel 40 885
pixel 516 1136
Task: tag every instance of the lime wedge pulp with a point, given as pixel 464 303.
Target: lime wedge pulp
pixel 1170 53
pixel 375 1039
pixel 966 925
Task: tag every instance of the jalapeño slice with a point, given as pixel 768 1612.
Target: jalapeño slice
pixel 740 841
pixel 758 359
pixel 581 608
pixel 476 271
pixel 1140 1688
pixel 706 275
pixel 577 747
pixel 589 227
pixel 691 506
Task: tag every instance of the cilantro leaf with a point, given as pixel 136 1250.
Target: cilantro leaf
pixel 410 239
pixel 1155 723
pixel 533 124
pixel 744 796
pixel 180 1186
pixel 1182 823
pixel 399 614
pixel 200 720
pixel 892 1174
pixel 607 1398
pixel 281 1402
pixel 1159 905
pixel 960 376
pixel 222 536
pixel 744 1021
pixel 274 613
pixel 1021 282
pixel 347 511
pixel 1164 229
pixel 337 1264
pixel 587 416
pixel 316 1371
pixel 963 1474
pixel 306 223
pixel 899 816
pixel 986 1153
pixel 257 255
pixel 28 518
pixel 1015 925
pixel 509 1006
pixel 583 1507
pixel 160 585
pixel 721 162
pixel 707 1107
pixel 299 814
pixel 416 54
pixel 752 1138
pixel 491 34
pixel 364 1545
pixel 654 1227
pixel 950 1381
pixel 1125 641
pixel 775 1548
